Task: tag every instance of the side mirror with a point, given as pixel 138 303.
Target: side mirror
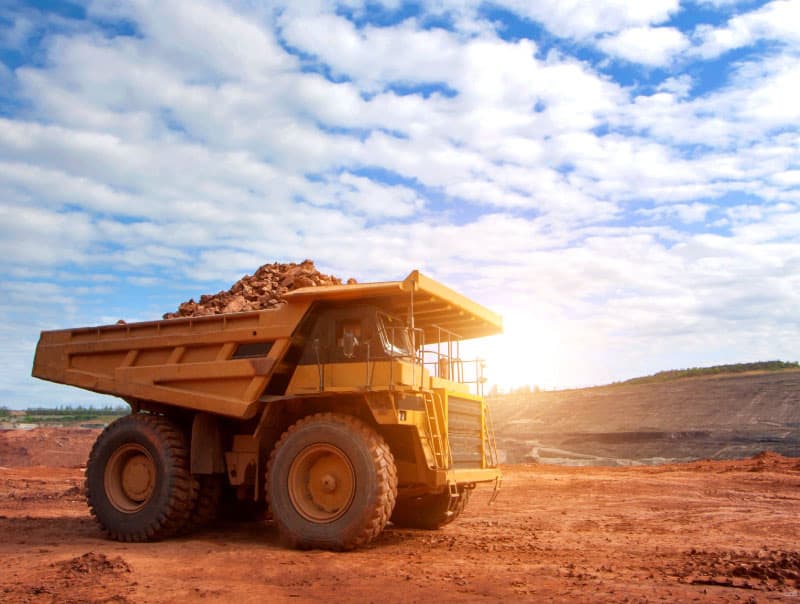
pixel 349 345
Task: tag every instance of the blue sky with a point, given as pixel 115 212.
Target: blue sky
pixel 621 180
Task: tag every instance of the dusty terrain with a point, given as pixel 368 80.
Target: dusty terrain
pixel 707 531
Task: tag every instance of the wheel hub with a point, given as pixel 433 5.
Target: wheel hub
pixel 130 478
pixel 328 483
pixel 322 483
pixel 137 478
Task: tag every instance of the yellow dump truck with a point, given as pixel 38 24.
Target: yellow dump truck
pixel 344 408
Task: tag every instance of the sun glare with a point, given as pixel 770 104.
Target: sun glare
pixel 528 353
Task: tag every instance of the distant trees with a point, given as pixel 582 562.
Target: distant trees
pixel 675 374
pixel 64 414
pixel 525 390
pixel 665 376
pixel 79 410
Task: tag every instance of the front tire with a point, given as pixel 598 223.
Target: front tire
pixel 331 483
pixel 138 483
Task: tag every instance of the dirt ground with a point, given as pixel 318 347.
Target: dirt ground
pixel 721 531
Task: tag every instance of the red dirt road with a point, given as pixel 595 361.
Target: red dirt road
pixel 705 532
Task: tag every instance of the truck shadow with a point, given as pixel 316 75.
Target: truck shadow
pixel 41 531
pixel 49 531
pixel 244 532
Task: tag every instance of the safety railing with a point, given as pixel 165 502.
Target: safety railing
pixel 441 359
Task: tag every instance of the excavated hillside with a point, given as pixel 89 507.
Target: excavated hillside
pixel 719 417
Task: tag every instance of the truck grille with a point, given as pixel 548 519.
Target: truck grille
pixel 465 432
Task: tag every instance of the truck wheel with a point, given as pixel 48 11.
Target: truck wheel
pixel 428 511
pixel 138 483
pixel 331 483
pixel 209 495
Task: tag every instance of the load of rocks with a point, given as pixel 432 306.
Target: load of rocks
pixel 264 289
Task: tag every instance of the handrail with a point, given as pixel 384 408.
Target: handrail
pixel 443 360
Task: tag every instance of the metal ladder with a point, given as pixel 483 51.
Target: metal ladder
pixel 437 437
pixel 490 443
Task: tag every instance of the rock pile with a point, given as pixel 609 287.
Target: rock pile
pixel 264 289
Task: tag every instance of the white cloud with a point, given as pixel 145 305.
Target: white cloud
pixel 722 3
pixel 688 213
pixel 36 237
pixel 202 36
pixel 679 86
pixel 745 131
pixel 771 88
pixel 16 33
pixel 585 18
pixel 396 54
pixel 787 178
pixel 362 195
pixel 776 20
pixel 577 19
pixel 491 105
pixel 653 46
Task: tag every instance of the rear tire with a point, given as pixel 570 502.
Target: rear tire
pixel 429 512
pixel 206 508
pixel 138 483
pixel 331 483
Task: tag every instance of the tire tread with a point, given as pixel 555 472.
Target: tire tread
pixel 182 490
pixel 386 471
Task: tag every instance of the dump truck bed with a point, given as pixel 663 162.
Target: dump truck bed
pixel 218 363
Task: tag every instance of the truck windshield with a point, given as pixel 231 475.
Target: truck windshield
pixel 394 336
